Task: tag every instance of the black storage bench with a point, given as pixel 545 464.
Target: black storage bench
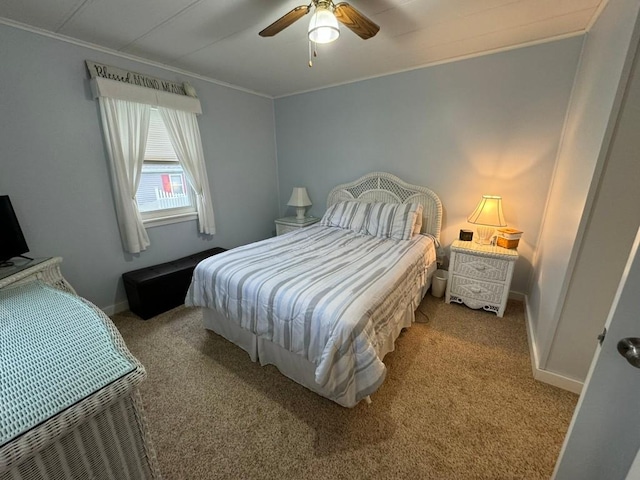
pixel 156 289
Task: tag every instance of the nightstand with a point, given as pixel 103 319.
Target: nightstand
pixel 289 224
pixel 480 275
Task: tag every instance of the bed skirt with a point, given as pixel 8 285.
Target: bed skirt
pixel 298 368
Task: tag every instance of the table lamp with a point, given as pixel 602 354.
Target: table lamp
pixel 300 200
pixel 487 215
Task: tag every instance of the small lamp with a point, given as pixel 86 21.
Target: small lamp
pixel 488 214
pixel 323 27
pixel 300 200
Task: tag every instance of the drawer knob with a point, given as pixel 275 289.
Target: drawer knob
pixel 479 267
pixel 475 289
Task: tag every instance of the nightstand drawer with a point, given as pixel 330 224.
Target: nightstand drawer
pixel 282 229
pixel 483 268
pixel 477 290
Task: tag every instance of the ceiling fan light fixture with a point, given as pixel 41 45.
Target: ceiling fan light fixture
pixel 323 27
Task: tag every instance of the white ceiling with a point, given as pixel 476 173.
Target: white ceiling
pixel 219 39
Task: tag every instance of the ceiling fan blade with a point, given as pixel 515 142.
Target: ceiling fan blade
pixel 354 20
pixel 286 20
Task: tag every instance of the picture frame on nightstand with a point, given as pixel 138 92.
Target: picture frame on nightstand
pixel 466 235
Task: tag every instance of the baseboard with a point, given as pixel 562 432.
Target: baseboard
pixel 539 374
pixel 517 296
pixel 115 308
pixel 558 380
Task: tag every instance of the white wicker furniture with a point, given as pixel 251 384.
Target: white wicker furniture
pixel 480 276
pixel 289 224
pixel 102 434
pixel 374 187
pixel 45 269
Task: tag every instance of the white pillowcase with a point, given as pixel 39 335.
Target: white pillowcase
pixel 418 225
pixel 391 220
pixel 399 221
pixel 348 214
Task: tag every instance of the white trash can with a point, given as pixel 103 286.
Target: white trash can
pixel 439 282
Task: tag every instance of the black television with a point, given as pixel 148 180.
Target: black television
pixel 12 242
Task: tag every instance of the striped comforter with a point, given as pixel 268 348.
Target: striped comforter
pixel 327 294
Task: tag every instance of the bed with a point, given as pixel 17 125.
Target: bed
pixel 325 304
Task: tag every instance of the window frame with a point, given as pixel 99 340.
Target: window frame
pixel 167 216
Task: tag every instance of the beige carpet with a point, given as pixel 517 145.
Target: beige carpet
pixel 459 402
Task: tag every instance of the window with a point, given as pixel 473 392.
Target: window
pixel 123 119
pixel 163 195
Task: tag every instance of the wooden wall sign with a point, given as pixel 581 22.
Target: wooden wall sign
pixel 133 78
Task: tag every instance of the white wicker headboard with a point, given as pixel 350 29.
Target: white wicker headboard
pixel 384 187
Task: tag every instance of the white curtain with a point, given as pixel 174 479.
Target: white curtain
pixel 185 137
pixel 125 126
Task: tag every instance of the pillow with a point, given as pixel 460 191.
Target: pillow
pixel 349 215
pixel 417 226
pixel 392 220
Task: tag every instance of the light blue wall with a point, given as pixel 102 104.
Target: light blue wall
pixel 54 167
pixel 487 125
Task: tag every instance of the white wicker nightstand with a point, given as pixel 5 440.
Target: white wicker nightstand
pixel 289 224
pixel 480 276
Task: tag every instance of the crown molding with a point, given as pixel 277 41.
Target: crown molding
pixel 116 53
pixel 442 62
pixel 92 46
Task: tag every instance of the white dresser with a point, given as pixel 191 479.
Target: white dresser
pixel 289 224
pixel 44 269
pixel 480 276
pixel 70 406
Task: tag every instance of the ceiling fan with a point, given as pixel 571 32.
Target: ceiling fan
pixel 323 27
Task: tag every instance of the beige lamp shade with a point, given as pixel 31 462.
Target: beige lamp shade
pixel 488 214
pixel 299 199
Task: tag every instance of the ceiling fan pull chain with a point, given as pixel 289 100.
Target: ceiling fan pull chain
pixel 314 54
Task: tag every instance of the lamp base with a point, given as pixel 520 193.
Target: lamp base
pixel 484 235
pixel 300 211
